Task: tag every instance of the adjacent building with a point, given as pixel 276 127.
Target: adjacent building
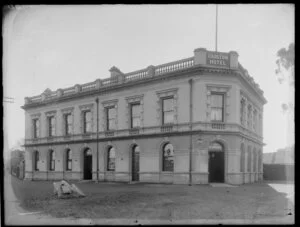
pixel 192 121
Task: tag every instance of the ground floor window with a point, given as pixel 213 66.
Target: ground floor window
pixel 69 159
pixel 168 158
pixel 52 160
pixel 36 157
pixel 111 159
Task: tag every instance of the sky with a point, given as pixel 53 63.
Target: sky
pixel 60 46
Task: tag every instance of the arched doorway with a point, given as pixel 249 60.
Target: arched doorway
pixel 87 164
pixel 216 163
pixel 135 163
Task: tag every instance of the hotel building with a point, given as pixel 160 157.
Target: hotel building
pixel 196 120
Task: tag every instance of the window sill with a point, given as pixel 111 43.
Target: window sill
pixel 134 131
pixel 109 133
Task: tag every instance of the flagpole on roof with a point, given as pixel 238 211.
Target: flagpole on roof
pixel 216 27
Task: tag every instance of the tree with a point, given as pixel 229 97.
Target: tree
pixel 285 71
pixel 286 76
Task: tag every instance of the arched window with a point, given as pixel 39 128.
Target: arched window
pixel 36 157
pixel 136 149
pixel 249 159
pixel 242 167
pixel 69 159
pixel 52 160
pixel 111 159
pixel 168 158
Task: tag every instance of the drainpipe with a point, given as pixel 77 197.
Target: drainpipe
pixel 190 127
pixel 97 101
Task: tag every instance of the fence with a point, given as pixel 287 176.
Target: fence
pixel 18 170
pixel 279 172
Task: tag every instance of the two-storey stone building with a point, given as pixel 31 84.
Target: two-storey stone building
pixel 196 120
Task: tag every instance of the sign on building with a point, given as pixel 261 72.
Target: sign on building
pixel 217 59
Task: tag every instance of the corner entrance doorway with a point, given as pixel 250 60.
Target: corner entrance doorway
pixel 216 163
pixel 135 163
pixel 87 164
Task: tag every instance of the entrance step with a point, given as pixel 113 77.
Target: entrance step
pixel 222 185
pixel 134 182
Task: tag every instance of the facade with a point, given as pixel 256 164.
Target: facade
pixel 197 120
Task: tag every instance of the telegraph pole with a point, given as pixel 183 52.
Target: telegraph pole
pixel 8 100
pixel 216 28
pixel 97 101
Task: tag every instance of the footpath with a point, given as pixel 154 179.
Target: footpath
pixel 15 215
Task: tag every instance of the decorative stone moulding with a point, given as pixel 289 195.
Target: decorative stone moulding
pixel 77 88
pixel 67 110
pixel 151 70
pixel 59 92
pixel 35 116
pixel 200 55
pixel 98 83
pixel 234 63
pixel 50 113
pixel 86 107
pixel 114 71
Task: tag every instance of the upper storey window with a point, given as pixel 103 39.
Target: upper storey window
pixel 36 127
pixel 134 111
pixel 51 118
pixel 87 121
pixel 218 102
pixel 68 123
pixel 168 110
pixel 86 118
pixel 167 106
pixel 111 118
pixel 51 126
pixel 217 107
pixel 68 116
pixel 135 115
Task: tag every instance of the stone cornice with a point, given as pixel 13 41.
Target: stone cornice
pixel 189 72
pixel 140 136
